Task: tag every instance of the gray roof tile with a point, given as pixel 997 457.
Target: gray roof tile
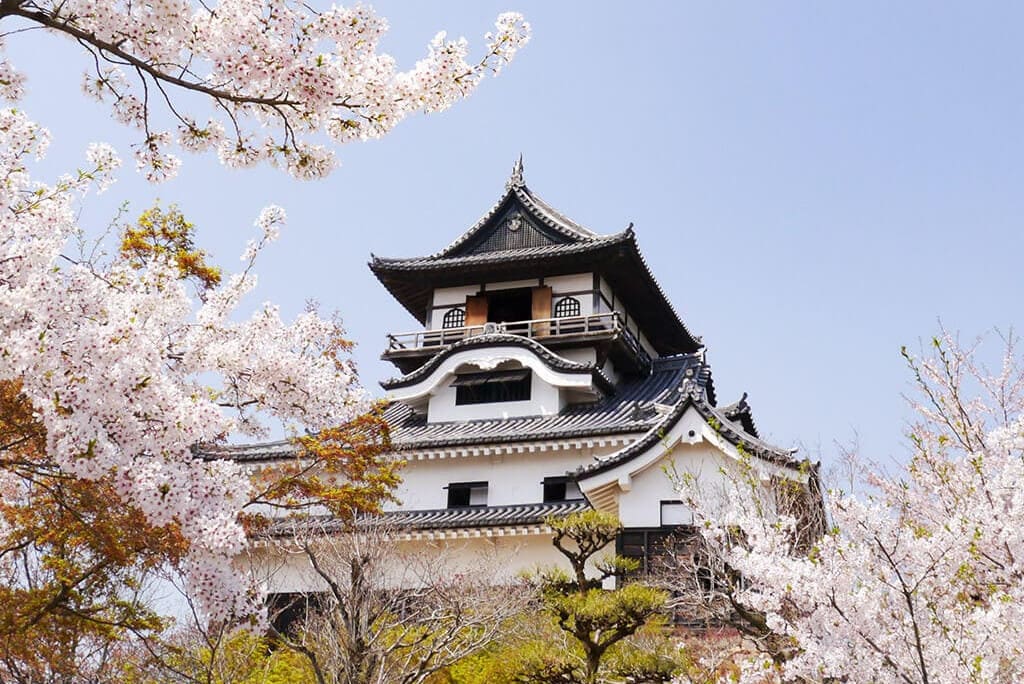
pixel 443 518
pixel 629 410
pixel 694 397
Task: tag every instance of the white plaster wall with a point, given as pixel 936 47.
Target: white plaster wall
pixel 512 284
pixel 544 400
pixel 582 355
pixel 627 319
pixel 573 285
pixel 456 296
pixel 512 478
pixel 436 319
pixel 504 558
pixel 647 345
pixel 444 296
pixel 602 307
pixel 617 305
pixel 570 283
pixel 641 505
pixel 586 303
pixel 606 289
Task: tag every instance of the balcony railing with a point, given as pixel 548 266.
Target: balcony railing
pixel 542 329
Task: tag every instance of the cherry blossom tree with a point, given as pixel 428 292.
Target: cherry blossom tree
pixel 918 579
pixel 131 359
pixel 276 75
pixel 388 614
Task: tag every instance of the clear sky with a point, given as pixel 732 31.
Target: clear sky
pixel 813 184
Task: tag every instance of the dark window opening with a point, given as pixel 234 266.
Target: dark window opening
pixel 506 306
pixel 561 489
pixel 493 387
pixel 671 552
pixel 567 306
pixel 454 318
pixel 465 494
pixel 649 546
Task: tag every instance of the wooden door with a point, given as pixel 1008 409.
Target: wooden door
pixel 541 309
pixel 476 313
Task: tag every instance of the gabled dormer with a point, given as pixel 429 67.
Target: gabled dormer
pixel 526 270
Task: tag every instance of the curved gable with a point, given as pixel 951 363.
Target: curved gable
pixel 487 352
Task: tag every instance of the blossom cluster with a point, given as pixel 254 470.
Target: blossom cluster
pixel 920 578
pixel 127 372
pixel 278 73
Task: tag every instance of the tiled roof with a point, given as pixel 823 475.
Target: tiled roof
pixel 249 453
pixel 516 188
pixel 444 518
pixel 741 413
pixel 444 260
pixel 630 410
pixel 559 247
pixel 729 430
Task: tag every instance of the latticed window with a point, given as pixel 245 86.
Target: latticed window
pixel 454 318
pixel 567 306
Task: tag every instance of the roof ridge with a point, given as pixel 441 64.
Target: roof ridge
pixel 516 187
pixel 576 229
pixel 690 397
pixel 499 255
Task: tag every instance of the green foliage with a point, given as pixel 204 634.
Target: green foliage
pixel 537 651
pixel 651 655
pixel 596 621
pixel 241 658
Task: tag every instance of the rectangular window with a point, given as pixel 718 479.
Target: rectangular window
pixel 675 513
pixel 496 386
pixel 649 545
pixel 561 489
pixel 463 494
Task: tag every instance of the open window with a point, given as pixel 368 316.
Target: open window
pixel 561 489
pixel 515 305
pixel 492 387
pixel 506 306
pixel 465 494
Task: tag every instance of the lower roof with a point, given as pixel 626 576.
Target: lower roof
pixel 630 409
pixel 633 408
pixel 441 519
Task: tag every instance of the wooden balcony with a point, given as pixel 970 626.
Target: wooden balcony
pixel 409 350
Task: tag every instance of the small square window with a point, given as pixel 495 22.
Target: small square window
pixel 675 513
pixel 464 494
pixel 561 489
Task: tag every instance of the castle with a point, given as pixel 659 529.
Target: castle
pixel 549 374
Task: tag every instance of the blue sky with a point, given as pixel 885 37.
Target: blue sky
pixel 814 184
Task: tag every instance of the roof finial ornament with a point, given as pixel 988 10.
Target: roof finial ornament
pixel 516 179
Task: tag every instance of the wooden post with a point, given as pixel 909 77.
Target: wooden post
pixel 541 309
pixel 476 313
